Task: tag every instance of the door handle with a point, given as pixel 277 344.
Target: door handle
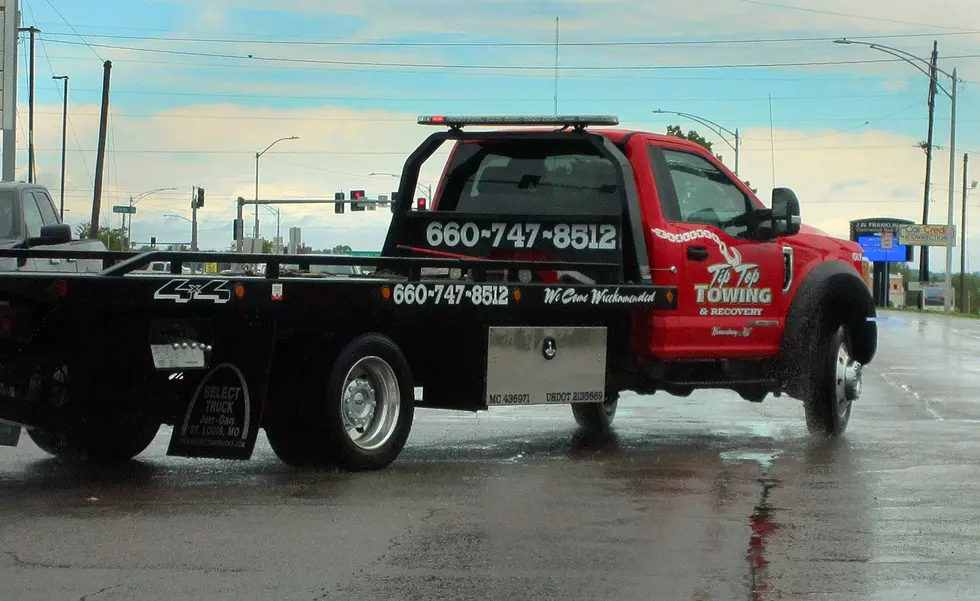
pixel 697 253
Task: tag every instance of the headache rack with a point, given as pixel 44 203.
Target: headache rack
pixel 576 121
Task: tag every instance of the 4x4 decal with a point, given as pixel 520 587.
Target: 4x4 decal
pixel 184 291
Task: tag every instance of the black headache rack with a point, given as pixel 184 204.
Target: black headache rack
pixel 414 233
pixel 400 282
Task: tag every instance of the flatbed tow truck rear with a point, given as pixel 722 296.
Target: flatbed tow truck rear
pixel 538 278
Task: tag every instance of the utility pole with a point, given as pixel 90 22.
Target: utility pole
pixel 966 158
pixel 100 156
pixel 9 57
pixel 194 218
pixel 924 250
pixel 64 141
pixel 31 176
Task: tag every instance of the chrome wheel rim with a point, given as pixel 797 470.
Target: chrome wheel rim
pixel 370 403
pixel 847 380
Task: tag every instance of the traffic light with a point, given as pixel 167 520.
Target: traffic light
pixel 239 226
pixel 338 207
pixel 153 241
pixel 355 195
pixel 421 201
pixel 199 199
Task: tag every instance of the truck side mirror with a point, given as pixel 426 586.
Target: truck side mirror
pixel 785 212
pixel 56 233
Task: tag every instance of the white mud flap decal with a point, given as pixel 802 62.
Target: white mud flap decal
pixel 9 434
pixel 221 421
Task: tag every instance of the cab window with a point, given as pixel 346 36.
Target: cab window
pixel 32 216
pixel 47 208
pixel 705 195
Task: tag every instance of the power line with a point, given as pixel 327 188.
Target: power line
pixel 70 26
pixel 645 100
pixel 852 16
pixel 311 61
pixel 533 75
pixel 404 44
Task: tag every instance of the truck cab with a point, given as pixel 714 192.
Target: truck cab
pixel 765 304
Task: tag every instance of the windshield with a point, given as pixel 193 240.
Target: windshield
pixel 9 225
pixel 531 177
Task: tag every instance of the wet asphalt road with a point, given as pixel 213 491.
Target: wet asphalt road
pixel 708 497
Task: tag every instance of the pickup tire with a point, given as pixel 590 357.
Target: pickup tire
pixel 827 405
pixel 596 417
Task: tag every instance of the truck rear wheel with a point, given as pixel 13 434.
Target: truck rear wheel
pixel 596 417
pixel 370 404
pixel 834 385
pixel 115 427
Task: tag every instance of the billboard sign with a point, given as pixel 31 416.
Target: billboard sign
pixel 876 251
pixel 879 239
pixel 915 234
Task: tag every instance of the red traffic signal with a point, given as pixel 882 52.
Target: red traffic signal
pixel 421 203
pixel 356 195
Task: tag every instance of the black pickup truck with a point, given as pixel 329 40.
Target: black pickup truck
pixel 92 364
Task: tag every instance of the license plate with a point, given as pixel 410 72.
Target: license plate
pixel 165 356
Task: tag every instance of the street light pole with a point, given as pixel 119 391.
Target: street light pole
pixel 132 201
pixel 64 140
pixel 255 231
pixel 950 238
pixel 931 73
pixel 427 189
pixel 718 129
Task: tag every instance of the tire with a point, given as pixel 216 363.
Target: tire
pixel 832 389
pixel 596 417
pixel 371 374
pixel 116 427
pixel 296 445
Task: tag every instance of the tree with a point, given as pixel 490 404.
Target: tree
pixel 114 239
pixel 693 136
pixel 341 249
pixel 266 247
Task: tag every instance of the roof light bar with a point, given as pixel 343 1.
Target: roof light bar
pixel 530 120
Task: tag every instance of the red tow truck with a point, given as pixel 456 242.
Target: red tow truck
pixel 561 262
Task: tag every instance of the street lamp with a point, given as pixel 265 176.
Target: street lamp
pixel 951 94
pixel 278 213
pixel 132 201
pixel 64 139
pixel 427 189
pixel 257 155
pixel 718 129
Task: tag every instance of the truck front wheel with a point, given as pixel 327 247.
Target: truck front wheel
pixel 835 383
pixel 596 417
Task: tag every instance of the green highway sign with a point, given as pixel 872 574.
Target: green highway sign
pixel 124 209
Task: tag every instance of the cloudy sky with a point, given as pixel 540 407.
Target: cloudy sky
pixel 199 86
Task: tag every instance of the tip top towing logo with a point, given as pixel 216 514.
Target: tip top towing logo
pixel 732 282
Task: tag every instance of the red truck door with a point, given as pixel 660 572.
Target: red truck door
pixel 730 281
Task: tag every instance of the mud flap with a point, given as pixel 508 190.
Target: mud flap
pixel 223 409
pixel 9 434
